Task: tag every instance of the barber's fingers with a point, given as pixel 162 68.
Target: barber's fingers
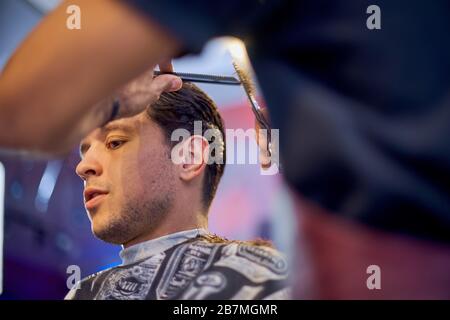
pixel 144 91
pixel 166 66
pixel 166 83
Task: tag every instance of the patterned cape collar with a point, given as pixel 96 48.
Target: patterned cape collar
pixel 151 247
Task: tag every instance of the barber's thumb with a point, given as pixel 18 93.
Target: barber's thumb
pixel 167 83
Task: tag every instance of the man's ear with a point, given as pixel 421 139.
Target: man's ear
pixel 195 157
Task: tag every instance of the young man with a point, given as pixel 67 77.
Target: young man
pixel 138 195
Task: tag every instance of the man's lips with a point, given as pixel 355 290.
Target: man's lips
pixel 93 196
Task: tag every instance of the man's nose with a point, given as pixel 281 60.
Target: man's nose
pixel 88 166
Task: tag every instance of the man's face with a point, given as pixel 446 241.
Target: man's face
pixel 128 177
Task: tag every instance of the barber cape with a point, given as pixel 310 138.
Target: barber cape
pixel 189 265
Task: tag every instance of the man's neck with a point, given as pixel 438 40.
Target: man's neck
pixel 170 225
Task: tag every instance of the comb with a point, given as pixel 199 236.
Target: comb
pixel 203 78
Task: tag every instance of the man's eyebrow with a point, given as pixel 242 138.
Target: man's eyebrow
pixel 84 146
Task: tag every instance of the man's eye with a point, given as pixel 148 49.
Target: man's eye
pixel 114 144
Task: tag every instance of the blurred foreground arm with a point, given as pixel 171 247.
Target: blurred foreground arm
pixel 56 78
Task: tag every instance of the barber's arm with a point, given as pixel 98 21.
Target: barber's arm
pixel 51 87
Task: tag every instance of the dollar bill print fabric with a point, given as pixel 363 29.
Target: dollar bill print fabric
pixel 190 265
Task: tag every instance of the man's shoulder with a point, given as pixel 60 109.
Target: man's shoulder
pixel 258 246
pixel 249 253
pixel 225 269
pixel 257 255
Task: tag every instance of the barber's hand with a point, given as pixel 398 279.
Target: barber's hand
pixel 135 96
pixel 261 139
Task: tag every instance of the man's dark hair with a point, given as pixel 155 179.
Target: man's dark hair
pixel 180 109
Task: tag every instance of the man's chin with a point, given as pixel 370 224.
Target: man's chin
pixel 106 236
pixel 108 232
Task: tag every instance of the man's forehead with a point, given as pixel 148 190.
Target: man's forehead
pixel 129 124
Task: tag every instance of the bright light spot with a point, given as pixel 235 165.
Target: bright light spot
pixel 47 185
pixel 237 50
